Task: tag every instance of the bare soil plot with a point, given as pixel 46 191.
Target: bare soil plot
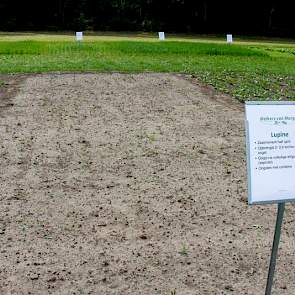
pixel 130 184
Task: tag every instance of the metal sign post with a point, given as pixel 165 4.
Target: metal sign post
pixel 275 248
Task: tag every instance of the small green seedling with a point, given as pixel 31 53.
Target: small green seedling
pixel 151 137
pixel 184 250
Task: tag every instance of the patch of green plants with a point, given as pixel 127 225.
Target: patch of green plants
pixel 253 85
pixel 184 48
pixel 20 48
pixel 282 50
pixel 245 71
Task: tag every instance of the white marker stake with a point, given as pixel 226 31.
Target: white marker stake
pixel 229 38
pixel 79 36
pixel 161 36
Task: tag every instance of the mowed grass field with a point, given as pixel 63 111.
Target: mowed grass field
pixel 248 69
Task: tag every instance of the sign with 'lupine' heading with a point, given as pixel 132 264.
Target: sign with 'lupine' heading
pixel 270 151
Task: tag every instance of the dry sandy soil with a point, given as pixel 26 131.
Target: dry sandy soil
pixel 129 184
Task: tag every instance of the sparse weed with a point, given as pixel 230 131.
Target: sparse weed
pixel 151 137
pixel 184 250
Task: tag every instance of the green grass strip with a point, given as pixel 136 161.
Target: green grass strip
pixel 247 72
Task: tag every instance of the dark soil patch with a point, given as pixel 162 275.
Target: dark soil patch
pixel 9 86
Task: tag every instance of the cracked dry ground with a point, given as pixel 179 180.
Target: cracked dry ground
pixel 130 184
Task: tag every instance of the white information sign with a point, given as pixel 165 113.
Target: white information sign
pixel 271 151
pixel 161 36
pixel 79 36
pixel 229 38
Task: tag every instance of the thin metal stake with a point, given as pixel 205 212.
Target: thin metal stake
pixel 275 247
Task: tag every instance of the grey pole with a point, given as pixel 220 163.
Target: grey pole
pixel 275 247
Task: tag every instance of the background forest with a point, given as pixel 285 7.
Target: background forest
pixel 268 18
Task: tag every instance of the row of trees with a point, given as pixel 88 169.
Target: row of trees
pixel 199 16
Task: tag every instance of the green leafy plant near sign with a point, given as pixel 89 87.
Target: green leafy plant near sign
pixel 260 86
pixel 245 71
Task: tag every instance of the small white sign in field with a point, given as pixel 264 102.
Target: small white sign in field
pixel 79 36
pixel 229 38
pixel 161 36
pixel 271 151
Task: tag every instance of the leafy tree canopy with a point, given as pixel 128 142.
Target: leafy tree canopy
pixel 263 17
